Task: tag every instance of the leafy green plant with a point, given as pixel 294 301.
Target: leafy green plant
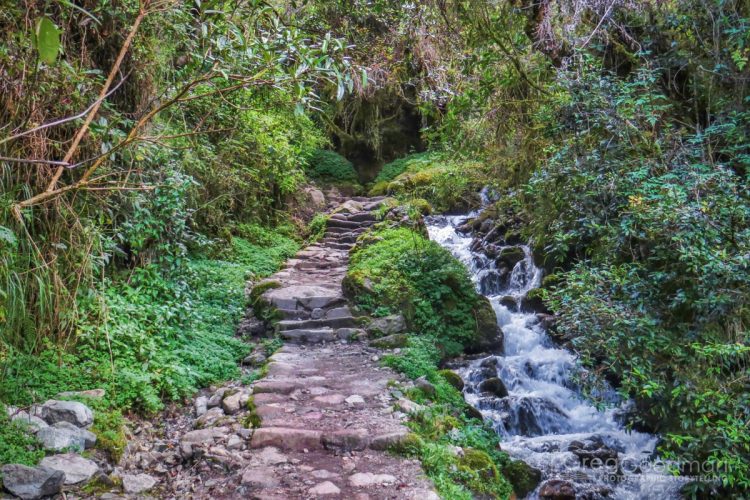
pixel 329 166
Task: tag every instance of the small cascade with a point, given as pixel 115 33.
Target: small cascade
pixel 530 395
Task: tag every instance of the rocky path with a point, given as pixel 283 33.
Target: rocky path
pixel 320 421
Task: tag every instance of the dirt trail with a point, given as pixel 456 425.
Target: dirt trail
pixel 320 421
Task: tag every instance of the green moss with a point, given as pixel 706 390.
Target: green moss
pixel 409 446
pixel 479 463
pixel 109 427
pixel 252 419
pixel 522 476
pixel 453 378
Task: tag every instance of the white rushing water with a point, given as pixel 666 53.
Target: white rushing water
pixel 543 415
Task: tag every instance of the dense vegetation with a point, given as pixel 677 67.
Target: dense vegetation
pixel 151 154
pixel 396 270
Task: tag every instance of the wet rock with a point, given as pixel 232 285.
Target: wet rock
pixel 546 321
pixel 557 489
pixel 326 488
pixel 532 302
pixel 523 477
pixel 387 325
pixel 494 386
pixel 509 301
pixel 425 386
pixel 474 412
pixel 32 482
pixel 78 414
pixel 594 453
pixel 76 468
pixel 489 335
pixel 137 483
pixel 511 256
pixel 453 379
pixel 390 341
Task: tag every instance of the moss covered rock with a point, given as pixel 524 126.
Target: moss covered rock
pixel 523 477
pixel 391 341
pixel 453 379
pixel 478 462
pixel 489 335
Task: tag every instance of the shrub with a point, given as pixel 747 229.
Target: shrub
pixel 329 166
pixel 415 276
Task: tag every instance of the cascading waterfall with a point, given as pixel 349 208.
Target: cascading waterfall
pixel 529 393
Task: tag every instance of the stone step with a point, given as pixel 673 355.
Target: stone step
pixel 341 246
pixel 294 314
pixel 356 217
pixel 348 224
pixel 287 439
pixel 340 322
pixel 345 230
pixel 309 336
pixel 342 239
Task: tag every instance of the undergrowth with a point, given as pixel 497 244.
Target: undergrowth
pixel 476 471
pixel 401 271
pixel 156 334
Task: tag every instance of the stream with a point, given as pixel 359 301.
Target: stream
pixel 544 420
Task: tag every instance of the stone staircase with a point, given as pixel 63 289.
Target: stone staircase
pixel 309 299
pixel 325 402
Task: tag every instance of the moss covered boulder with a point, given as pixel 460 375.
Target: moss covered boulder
pixel 523 477
pixel 489 335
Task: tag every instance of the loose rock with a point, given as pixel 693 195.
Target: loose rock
pixel 32 482
pixel 76 413
pixel 137 483
pixel 76 468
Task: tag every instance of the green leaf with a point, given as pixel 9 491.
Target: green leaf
pixel 364 78
pixel 47 38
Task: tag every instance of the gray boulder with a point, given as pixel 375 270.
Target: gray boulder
pixel 63 435
pixel 387 325
pixel 76 468
pixel 31 482
pixel 33 423
pixel 76 413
